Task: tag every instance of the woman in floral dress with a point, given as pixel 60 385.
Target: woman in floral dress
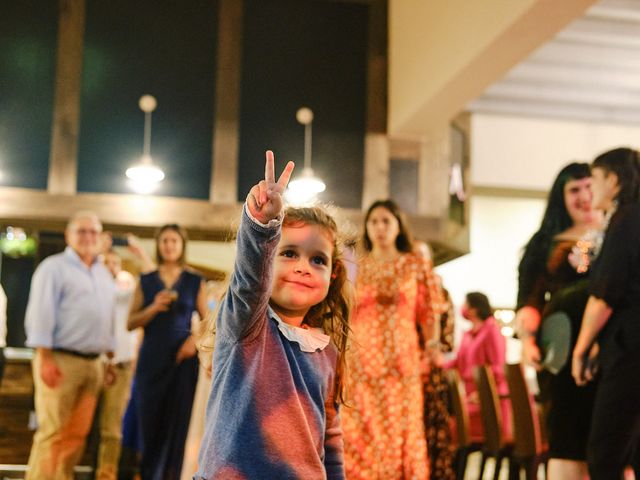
pixel 397 310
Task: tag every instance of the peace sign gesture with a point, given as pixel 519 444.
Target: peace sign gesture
pixel 265 199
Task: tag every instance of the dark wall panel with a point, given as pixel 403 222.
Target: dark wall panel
pixel 403 184
pixel 163 48
pixel 305 53
pixel 28 30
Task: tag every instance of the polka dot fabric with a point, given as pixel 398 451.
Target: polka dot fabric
pixel 383 425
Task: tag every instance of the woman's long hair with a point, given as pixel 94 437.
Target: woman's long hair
pixel 404 241
pixel 332 314
pixel 556 219
pixel 625 164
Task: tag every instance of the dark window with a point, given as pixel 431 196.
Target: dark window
pixel 165 49
pixel 28 30
pixel 305 53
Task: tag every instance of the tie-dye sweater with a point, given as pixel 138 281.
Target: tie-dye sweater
pixel 271 413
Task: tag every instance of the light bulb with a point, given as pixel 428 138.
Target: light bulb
pixel 144 177
pixel 305 188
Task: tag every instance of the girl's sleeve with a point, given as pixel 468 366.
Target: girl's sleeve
pixel 333 442
pixel 243 308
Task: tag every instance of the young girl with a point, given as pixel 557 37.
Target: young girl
pixel 281 333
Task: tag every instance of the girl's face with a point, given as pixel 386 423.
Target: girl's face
pixel 301 270
pixel 170 246
pixel 578 199
pixel 382 228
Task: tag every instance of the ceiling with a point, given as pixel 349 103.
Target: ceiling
pixel 589 71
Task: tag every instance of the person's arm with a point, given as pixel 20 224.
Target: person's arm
pixel 333 442
pixel 449 364
pixel 532 285
pixel 527 322
pixel 430 305
pixel 40 321
pixel 608 283
pixel 596 315
pixel 139 315
pixel 146 264
pixel 247 298
pixel 189 348
pixel 50 374
pixel 202 305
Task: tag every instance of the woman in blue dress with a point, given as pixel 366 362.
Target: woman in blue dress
pixel 167 368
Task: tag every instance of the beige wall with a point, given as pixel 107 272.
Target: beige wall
pixel 500 227
pixel 444 53
pixel 213 255
pixel 520 152
pixel 526 153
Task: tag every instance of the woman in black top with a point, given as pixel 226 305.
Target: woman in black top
pixel 551 283
pixel 612 317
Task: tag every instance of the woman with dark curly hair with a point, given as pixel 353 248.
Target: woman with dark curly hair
pixel 552 294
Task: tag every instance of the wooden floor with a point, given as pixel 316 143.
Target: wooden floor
pixel 16 403
pixel 16 407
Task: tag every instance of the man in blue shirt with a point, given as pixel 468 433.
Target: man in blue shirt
pixel 69 323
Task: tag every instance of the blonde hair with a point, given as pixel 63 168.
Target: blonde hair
pixel 332 314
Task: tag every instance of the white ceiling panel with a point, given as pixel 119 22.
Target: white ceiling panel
pixel 589 71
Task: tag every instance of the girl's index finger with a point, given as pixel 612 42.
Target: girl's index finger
pixel 269 169
pixel 283 181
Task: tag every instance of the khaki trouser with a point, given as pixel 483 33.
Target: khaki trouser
pixel 64 416
pixel 114 402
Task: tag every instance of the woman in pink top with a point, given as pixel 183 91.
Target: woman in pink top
pixel 483 344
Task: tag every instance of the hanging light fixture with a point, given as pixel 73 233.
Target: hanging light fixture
pixel 145 177
pixel 307 186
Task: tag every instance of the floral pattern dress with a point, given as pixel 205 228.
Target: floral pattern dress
pixel 436 406
pixel 384 436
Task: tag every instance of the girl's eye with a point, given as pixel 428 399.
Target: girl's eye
pixel 288 253
pixel 318 260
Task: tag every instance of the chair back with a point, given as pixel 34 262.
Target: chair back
pixel 527 436
pixel 490 409
pixel 458 403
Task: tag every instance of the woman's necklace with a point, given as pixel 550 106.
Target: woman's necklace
pixel 588 247
pixel 384 277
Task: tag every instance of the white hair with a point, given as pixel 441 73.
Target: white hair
pixel 81 215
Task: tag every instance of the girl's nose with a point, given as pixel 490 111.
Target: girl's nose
pixel 301 266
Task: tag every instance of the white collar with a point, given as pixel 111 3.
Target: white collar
pixel 309 339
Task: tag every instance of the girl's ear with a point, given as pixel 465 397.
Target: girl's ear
pixel 336 270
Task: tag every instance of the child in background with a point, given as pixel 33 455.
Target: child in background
pixel 281 335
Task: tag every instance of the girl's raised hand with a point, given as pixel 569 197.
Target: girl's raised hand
pixel 265 199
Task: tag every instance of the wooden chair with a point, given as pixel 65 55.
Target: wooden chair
pixel 529 451
pixel 466 444
pixel 495 444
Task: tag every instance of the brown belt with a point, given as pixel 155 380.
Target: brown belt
pixel 87 356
